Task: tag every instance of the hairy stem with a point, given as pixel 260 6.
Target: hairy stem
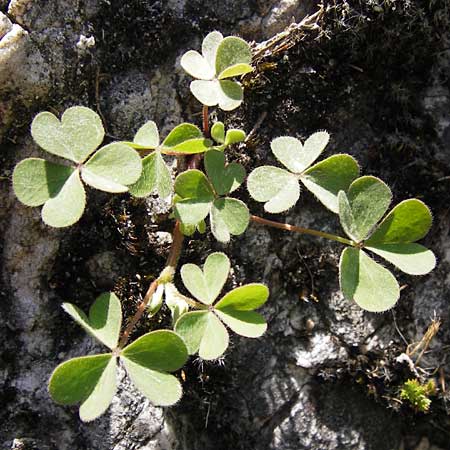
pixel 287 227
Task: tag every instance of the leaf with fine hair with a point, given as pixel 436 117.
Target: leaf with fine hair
pixel 245 298
pixel 408 221
pixel 277 187
pixel 363 206
pixel 225 178
pixel 112 168
pixel 297 157
pixel 326 178
pixel 203 333
pixel 89 380
pixel 233 57
pixel 75 137
pixel 155 177
pixel 67 206
pixel 245 323
pixel 234 136
pixel 35 180
pixel 225 93
pixel 228 216
pixel 411 258
pixel 104 321
pixel 182 133
pixel 147 136
pixel 206 285
pixel 368 283
pixel 218 132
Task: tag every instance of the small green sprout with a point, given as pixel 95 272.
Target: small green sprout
pixel 373 287
pixel 232 136
pixel 203 330
pixel 280 188
pixel 200 196
pixel 92 380
pixel 58 187
pixel 221 58
pixel 418 394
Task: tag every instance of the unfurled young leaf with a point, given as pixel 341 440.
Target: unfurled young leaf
pixel 218 132
pixel 232 136
pixel 186 138
pixel 175 302
pixel 202 330
pixel 59 188
pixel 221 58
pixel 372 286
pixel 104 321
pixel 280 189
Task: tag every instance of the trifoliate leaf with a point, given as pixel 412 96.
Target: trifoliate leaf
pixel 279 188
pixel 409 221
pixel 112 168
pixel 295 156
pixel 326 178
pixel 363 206
pixel 244 298
pixel 147 136
pixel 227 94
pixel 161 388
pixel 203 332
pixel 228 216
pixel 155 177
pixel 75 137
pixel 210 45
pixel 104 321
pixel 368 283
pixel 411 258
pixel 160 350
pixel 182 133
pixel 206 285
pixel 197 66
pixel 235 71
pixel 90 380
pixel 67 206
pixel 232 51
pixel 225 178
pixel 36 180
pixel 234 136
pixel 218 132
pixel 245 323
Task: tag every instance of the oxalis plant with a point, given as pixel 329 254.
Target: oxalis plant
pixel 203 192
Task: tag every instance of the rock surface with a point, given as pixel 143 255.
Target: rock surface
pixel 325 375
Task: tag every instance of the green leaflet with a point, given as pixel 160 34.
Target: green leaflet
pixel 104 321
pixel 228 216
pixel 203 333
pixel 366 282
pixel 245 298
pixel 277 187
pixel 112 168
pixel 36 180
pixel 67 206
pixel 162 389
pixel 245 323
pixel 75 137
pixel 89 380
pixel 206 285
pixel 326 178
pixel 297 157
pixel 147 136
pixel 363 206
pixel 225 178
pixel 193 184
pixel 197 66
pixel 160 350
pixel 182 133
pixel 411 258
pixel 234 136
pixel 225 93
pixel 218 132
pixel 155 177
pixel 409 221
pixel 235 71
pixel 210 45
pixel 232 52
